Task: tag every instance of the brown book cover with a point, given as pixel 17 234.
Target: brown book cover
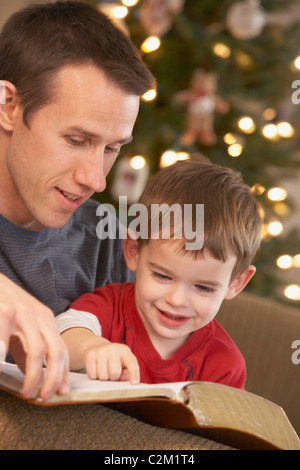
pixel 218 412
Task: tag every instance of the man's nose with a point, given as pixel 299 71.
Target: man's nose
pixel 90 173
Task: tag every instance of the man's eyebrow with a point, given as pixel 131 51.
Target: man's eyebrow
pixel 93 135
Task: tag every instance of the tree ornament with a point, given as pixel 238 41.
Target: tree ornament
pixel 157 15
pixel 129 179
pixel 202 103
pixel 245 20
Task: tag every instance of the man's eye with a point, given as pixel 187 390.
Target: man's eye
pixel 75 141
pixel 115 150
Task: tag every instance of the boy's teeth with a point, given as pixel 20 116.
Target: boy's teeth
pixel 70 196
pixel 174 316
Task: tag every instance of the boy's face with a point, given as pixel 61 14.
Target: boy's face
pixel 177 294
pixel 56 164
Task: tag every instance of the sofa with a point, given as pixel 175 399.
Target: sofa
pixel 263 329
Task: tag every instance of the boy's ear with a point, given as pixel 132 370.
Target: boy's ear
pixel 130 250
pixel 8 105
pixel 240 282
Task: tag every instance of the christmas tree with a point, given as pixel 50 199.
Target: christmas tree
pixel 225 72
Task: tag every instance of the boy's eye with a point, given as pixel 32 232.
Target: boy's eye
pixel 162 277
pixel 205 289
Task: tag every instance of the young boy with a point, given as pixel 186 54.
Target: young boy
pixel 162 328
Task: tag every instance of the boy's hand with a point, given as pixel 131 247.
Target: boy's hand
pixel 112 361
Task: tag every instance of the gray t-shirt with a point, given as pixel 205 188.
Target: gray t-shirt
pixel 58 265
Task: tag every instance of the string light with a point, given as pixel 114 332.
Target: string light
pixel 235 150
pixel 150 44
pixel 230 138
pixel 169 157
pixel 149 95
pixel 119 11
pixel 261 211
pixel 296 63
pixel 222 50
pixel 284 262
pixel 277 194
pixel 274 228
pixel 269 114
pixel 258 189
pixel 137 162
pixel 292 292
pixel 296 261
pixel 282 129
pixel 285 130
pixel 243 60
pixel 182 156
pixel 270 131
pixel 288 261
pixel 130 3
pixel 281 209
pixel 246 124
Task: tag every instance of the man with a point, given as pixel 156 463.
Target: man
pixel 70 88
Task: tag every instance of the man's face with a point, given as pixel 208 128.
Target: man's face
pixel 64 156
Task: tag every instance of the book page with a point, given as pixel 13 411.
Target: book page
pixel 84 389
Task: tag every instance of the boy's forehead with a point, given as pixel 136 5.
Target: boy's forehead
pixel 175 248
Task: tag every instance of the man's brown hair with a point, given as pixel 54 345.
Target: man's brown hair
pixel 38 41
pixel 232 221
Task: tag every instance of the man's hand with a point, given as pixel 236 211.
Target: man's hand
pixel 27 328
pixel 112 361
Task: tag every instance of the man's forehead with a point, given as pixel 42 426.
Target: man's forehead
pixel 77 75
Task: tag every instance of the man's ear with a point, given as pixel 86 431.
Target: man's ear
pixel 240 282
pixel 130 250
pixel 8 105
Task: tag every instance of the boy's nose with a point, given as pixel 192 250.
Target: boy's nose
pixel 177 296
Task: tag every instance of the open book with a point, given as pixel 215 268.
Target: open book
pixel 233 417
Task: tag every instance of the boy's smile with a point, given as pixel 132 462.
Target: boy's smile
pixel 172 319
pixel 177 294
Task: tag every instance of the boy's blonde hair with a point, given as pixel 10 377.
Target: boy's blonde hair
pixel 232 222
